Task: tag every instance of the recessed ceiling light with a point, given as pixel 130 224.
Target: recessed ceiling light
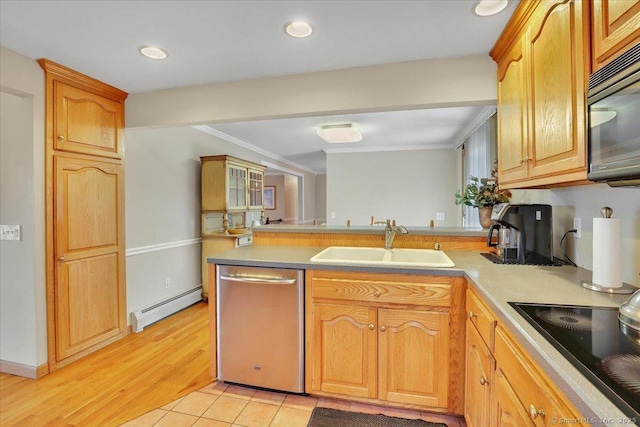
pixel 153 52
pixel 340 133
pixel 298 29
pixel 489 7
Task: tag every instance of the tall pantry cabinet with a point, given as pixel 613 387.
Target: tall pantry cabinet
pixel 85 246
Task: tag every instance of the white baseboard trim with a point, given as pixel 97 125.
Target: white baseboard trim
pixel 149 315
pixel 162 246
pixel 27 371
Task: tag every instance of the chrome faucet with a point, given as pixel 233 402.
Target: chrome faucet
pixel 390 233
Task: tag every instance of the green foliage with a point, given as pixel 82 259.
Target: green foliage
pixel 483 192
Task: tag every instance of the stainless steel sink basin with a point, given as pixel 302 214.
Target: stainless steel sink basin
pixel 383 257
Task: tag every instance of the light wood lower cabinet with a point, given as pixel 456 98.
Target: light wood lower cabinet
pixel 344 349
pixel 505 387
pixel 507 409
pixel 539 399
pixel 479 380
pixel 386 338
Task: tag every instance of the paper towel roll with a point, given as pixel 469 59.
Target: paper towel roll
pixel 607 252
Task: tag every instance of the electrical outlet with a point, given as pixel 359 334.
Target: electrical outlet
pixel 333 215
pixel 167 282
pixel 440 216
pixel 577 224
pixel 10 232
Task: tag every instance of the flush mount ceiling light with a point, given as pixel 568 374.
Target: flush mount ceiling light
pixel 489 7
pixel 340 133
pixel 298 29
pixel 153 52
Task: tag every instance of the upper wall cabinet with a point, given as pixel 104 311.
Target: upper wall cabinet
pixel 88 118
pixel 542 74
pixel 615 27
pixel 231 184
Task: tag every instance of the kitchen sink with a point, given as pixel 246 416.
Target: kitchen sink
pixel 383 257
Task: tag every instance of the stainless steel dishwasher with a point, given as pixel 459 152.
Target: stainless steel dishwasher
pixel 261 327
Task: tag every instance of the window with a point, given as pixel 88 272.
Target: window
pixel 478 154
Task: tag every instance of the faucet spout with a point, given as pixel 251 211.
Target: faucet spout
pixel 390 232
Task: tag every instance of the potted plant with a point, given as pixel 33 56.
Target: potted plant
pixel 483 193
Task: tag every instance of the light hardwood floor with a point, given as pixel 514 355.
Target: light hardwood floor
pixel 160 377
pixel 118 383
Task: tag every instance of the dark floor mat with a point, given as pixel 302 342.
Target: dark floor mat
pixel 326 417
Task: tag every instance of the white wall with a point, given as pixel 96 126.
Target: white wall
pixel 290 199
pixel 321 199
pixel 162 207
pixel 23 339
pixel 585 202
pixel 278 182
pixel 408 186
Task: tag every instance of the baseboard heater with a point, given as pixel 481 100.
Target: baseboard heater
pixel 142 318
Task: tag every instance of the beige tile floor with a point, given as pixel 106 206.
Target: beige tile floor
pixel 224 405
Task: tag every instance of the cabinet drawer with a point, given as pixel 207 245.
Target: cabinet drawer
pixel 436 295
pixel 482 318
pixel 536 393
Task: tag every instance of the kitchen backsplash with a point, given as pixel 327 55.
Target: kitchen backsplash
pixel 585 202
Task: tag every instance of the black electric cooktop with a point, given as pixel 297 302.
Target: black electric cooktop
pixel 593 340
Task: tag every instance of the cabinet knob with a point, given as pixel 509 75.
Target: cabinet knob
pixel 483 381
pixel 383 328
pixel 376 293
pixel 60 137
pixel 535 412
pixel 472 315
pixel 61 258
pixel 371 326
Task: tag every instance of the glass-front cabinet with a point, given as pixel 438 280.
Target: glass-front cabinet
pixel 237 188
pixel 256 181
pixel 231 184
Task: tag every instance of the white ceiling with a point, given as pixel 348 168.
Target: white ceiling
pixel 218 41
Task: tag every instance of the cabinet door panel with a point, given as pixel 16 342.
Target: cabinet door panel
pixel 237 187
pixel 507 409
pixel 89 286
pixel 256 194
pixel 615 28
pixel 344 350
pixel 414 357
pixel 87 123
pixel 480 366
pixel 512 116
pixel 558 85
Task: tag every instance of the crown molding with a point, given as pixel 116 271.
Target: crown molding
pixel 387 148
pixel 255 149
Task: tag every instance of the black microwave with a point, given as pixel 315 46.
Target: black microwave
pixel 613 102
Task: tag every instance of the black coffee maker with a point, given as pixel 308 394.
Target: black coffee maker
pixel 524 234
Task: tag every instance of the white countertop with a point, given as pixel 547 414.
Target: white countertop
pixel 498 285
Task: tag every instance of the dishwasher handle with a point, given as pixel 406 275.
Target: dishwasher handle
pixel 259 279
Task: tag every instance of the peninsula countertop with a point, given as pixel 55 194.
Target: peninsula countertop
pixel 498 285
pixel 369 229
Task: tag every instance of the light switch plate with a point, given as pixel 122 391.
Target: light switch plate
pixel 10 232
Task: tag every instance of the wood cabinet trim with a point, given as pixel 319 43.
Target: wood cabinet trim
pixel 514 28
pixel 453 403
pixel 82 81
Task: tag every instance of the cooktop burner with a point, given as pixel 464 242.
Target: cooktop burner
pixel 624 369
pixel 568 319
pixel 592 339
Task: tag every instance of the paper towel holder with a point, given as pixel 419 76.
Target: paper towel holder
pixel 625 289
